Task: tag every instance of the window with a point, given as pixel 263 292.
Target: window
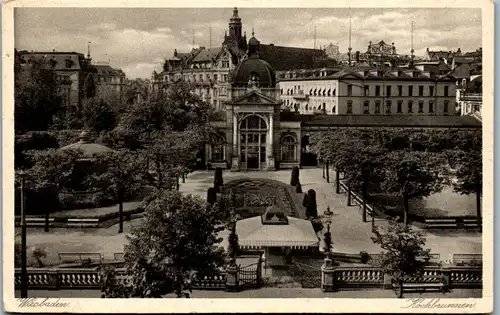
pixel 366 107
pixel 224 78
pixel 218 144
pixel 421 107
pixel 388 107
pixel 215 79
pixel 410 90
pixel 333 93
pixel 334 109
pixel 388 90
pixel 324 107
pixel 315 90
pixel 410 106
pixel 446 91
pixel 311 92
pixel 377 107
pixel 445 108
pixel 349 90
pixel 329 91
pixel 400 90
pixel 420 90
pixel 349 107
pixel 281 91
pixel 377 90
pixel 324 92
pixel 288 149
pixel 431 106
pixel 431 91
pixel 400 106
pixel 367 90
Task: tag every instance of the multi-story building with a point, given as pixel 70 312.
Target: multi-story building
pixel 71 69
pixel 437 55
pixel 365 90
pixel 471 97
pixel 210 70
pixel 256 132
pixel 109 79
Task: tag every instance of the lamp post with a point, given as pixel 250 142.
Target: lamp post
pixel 24 273
pixel 328 236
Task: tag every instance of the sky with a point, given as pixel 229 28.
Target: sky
pixel 138 40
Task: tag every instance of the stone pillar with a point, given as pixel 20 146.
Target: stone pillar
pixel 235 165
pixel 232 281
pixel 445 273
pixel 387 281
pixel 270 147
pixel 328 276
pixel 53 279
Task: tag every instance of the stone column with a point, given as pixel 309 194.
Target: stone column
pixel 328 276
pixel 235 165
pixel 270 147
pixel 232 281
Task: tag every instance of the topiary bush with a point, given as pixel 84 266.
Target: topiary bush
pixel 298 188
pixel 311 209
pixel 295 176
pixel 211 196
pixel 218 180
pixel 304 201
pixel 317 225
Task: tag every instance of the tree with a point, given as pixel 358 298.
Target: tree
pixel 298 188
pixel 467 161
pixel 89 87
pixel 412 175
pixel 36 96
pixel 403 253
pixel 120 174
pixel 177 238
pixel 52 172
pixel 304 200
pixel 98 115
pixel 211 196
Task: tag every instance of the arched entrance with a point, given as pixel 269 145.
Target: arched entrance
pixel 253 133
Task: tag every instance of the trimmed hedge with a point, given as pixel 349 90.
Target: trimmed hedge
pixel 218 180
pixel 295 176
pixel 311 209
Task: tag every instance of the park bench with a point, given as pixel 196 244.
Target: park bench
pixel 38 222
pixel 440 223
pixel 422 285
pixel 79 258
pixel 465 259
pixel 471 223
pixel 90 223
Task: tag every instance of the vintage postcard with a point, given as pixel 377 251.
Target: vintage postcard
pixel 244 156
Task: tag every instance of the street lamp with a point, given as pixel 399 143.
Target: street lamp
pixel 328 236
pixel 24 273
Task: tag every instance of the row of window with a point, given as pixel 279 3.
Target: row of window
pixel 399 107
pixel 389 92
pixel 312 92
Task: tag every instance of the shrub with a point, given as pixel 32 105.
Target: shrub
pixel 298 188
pixel 99 199
pixel 317 225
pixel 218 180
pixel 311 210
pixel 365 257
pixel 38 254
pixel 295 176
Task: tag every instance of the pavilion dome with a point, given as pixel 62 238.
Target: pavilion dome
pixel 253 68
pixel 274 215
pixel 86 147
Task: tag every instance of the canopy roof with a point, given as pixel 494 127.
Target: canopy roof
pixel 253 232
pixel 87 148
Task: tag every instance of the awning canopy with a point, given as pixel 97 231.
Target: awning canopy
pixel 297 233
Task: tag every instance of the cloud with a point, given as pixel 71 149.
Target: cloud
pixel 138 40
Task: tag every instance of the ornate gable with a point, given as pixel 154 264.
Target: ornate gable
pixel 254 97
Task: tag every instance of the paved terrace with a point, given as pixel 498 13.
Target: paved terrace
pixel 349 233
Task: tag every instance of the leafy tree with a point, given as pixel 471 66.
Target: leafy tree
pixel 98 115
pixel 403 253
pixel 467 161
pixel 177 238
pixel 33 140
pixel 52 171
pixel 120 174
pixel 36 96
pixel 89 87
pixel 211 196
pixel 412 175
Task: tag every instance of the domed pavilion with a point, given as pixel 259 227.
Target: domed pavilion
pixel 252 137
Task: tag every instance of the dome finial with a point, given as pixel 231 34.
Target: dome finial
pixel 253 33
pixel 84 136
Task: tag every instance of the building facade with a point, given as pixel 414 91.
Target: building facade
pixel 210 70
pixel 260 132
pixel 109 79
pixel 71 68
pixel 365 90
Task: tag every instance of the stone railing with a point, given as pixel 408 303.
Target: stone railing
pixel 214 282
pixel 338 278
